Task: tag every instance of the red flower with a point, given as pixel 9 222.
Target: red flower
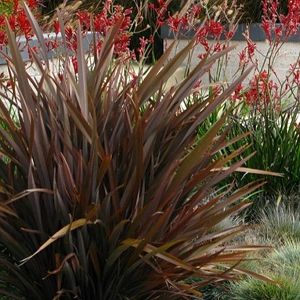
pixel 143 44
pixel 230 34
pixel 267 28
pixel 174 22
pixel 84 19
pixel 18 19
pixel 56 26
pixel 201 36
pixel 2 21
pixel 251 48
pixel 262 91
pixel 101 23
pixel 24 25
pixel 237 94
pixel 243 58
pixel 160 9
pixel 74 63
pixel 214 28
pixel 296 74
pixel 3 39
pixel 290 21
pixel 122 44
pixel 151 6
pixel 196 10
pixel 278 32
pixel 33 3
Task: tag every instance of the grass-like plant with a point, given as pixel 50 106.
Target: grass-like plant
pixel 280 227
pixel 275 138
pixel 106 188
pixel 283 266
pixel 288 256
pixel 252 289
pixel 280 224
pixel 6 7
pixel 269 106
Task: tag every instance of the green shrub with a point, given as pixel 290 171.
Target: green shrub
pixel 280 224
pixel 287 257
pixel 6 7
pixel 275 138
pixel 252 289
pixel 283 266
pixel 216 292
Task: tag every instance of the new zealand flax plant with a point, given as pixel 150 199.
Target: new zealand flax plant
pixel 106 190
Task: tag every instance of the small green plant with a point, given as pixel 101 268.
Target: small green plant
pixel 275 138
pixel 252 289
pixel 274 130
pixel 288 257
pixel 280 224
pixel 6 7
pixel 216 292
pixel 283 266
pixel 269 106
pixel 280 227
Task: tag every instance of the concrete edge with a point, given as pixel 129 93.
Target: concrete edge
pixel 256 33
pixel 34 42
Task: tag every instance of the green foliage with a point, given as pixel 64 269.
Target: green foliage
pixel 283 266
pixel 252 289
pixel 6 7
pixel 216 292
pixel 106 189
pixel 288 256
pixel 280 224
pixel 275 138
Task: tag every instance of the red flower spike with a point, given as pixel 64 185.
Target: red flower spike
pixel 214 28
pixel 56 27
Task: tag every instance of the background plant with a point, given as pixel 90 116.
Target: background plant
pixel 280 224
pixel 12 10
pixel 269 108
pixel 253 10
pixel 279 227
pixel 275 138
pixel 282 265
pixel 6 7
